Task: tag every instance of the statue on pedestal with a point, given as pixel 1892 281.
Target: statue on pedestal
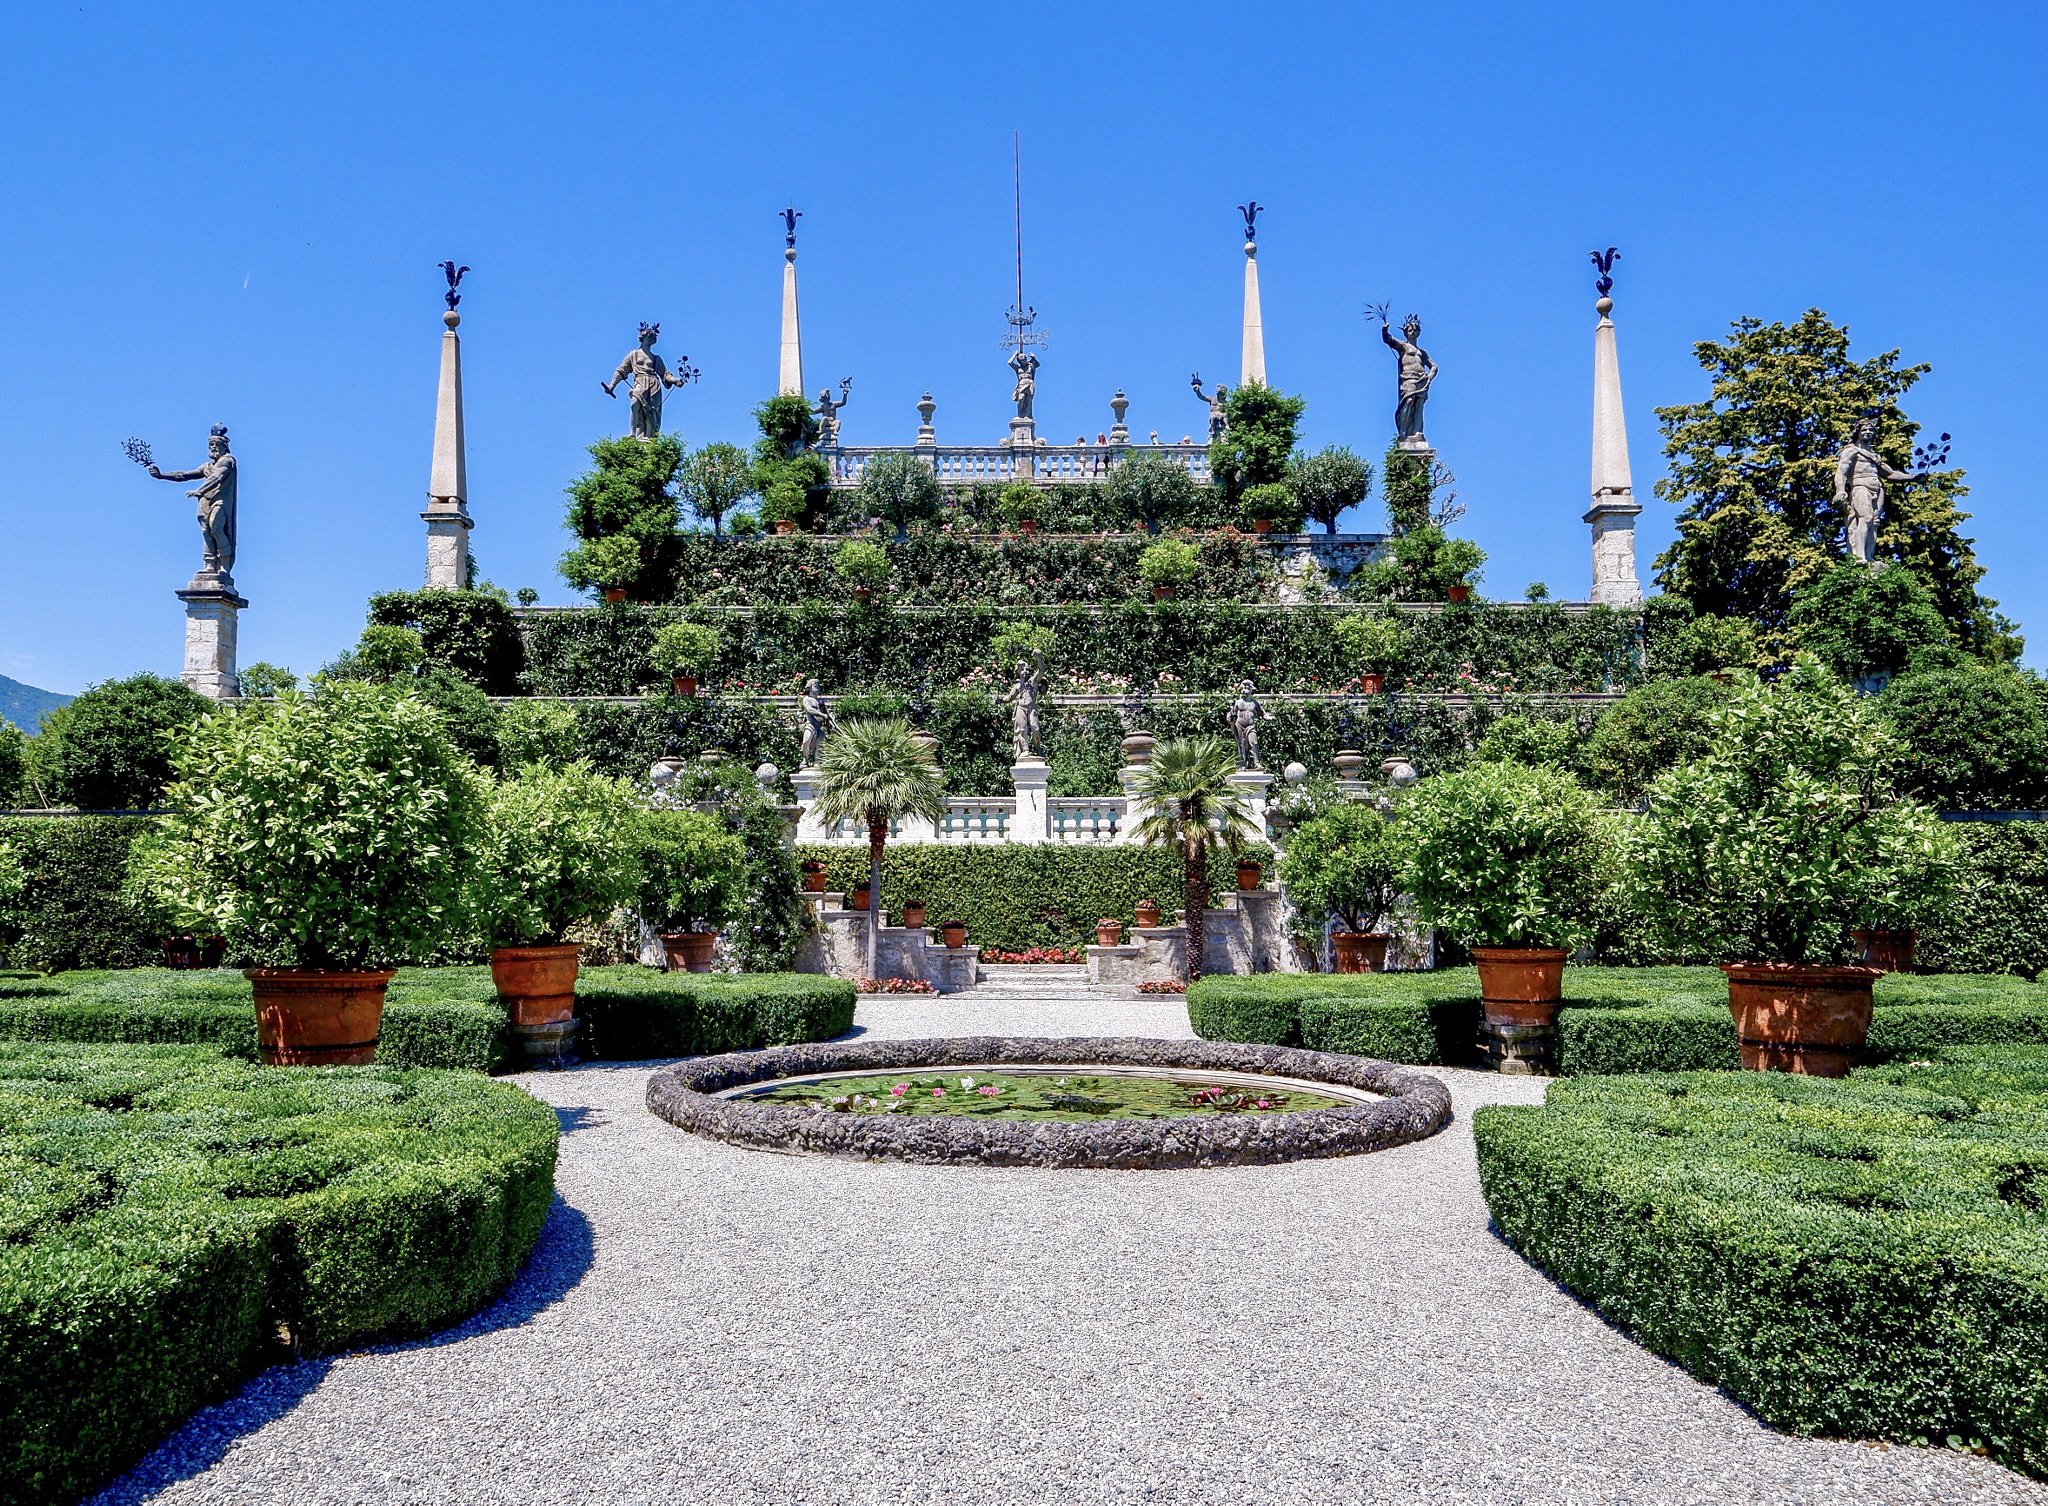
pixel 828 413
pixel 1417 372
pixel 1243 716
pixel 215 495
pixel 651 378
pixel 1023 698
pixel 1860 475
pixel 818 722
pixel 1025 364
pixel 1218 424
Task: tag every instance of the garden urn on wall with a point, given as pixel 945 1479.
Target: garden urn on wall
pixel 1350 763
pixel 1148 915
pixel 1027 526
pixel 1248 874
pixel 614 593
pixel 863 593
pixel 1888 951
pixel 814 876
pixel 1459 595
pixel 785 526
pixel 689 951
pixel 1137 747
pixel 311 1018
pixel 1162 593
pixel 537 983
pixel 1792 1018
pixel 1262 525
pixel 1372 684
pixel 859 899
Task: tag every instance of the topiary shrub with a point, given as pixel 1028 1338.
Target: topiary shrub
pixel 1861 622
pixel 684 648
pixel 1150 489
pixel 109 751
pixel 1975 738
pixel 1506 855
pixel 74 907
pixel 862 564
pixel 636 1014
pixel 1654 727
pixel 469 633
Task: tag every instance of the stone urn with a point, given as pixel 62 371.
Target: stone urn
pixel 925 741
pixel 1350 763
pixel 1137 747
pixel 1109 931
pixel 307 1017
pixel 538 985
pixel 1399 772
pixel 1360 951
pixel 1888 951
pixel 689 951
pixel 1148 914
pixel 1812 1021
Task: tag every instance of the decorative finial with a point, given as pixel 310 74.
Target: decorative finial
pixel 454 275
pixel 789 219
pixel 1605 261
pixel 1931 456
pixel 1250 211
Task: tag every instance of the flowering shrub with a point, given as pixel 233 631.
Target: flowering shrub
pixel 895 986
pixel 1033 954
pixel 1163 986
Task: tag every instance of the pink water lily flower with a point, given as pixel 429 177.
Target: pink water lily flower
pixel 899 1090
pixel 988 1092
pixel 938 1092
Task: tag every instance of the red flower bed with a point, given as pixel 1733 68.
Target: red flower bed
pixel 1036 954
pixel 895 986
pixel 1167 986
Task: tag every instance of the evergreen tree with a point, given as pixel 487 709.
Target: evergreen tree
pixel 1752 471
pixel 1258 440
pixel 628 495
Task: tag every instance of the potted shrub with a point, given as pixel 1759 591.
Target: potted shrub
pixel 1346 866
pixel 783 506
pixel 913 914
pixel 862 893
pixel 1371 642
pixel 1023 504
pixel 814 876
pixel 1270 507
pixel 683 651
pixel 863 566
pixel 1249 872
pixel 335 833
pixel 1147 914
pixel 557 852
pixel 1109 931
pixel 1769 848
pixel 1167 565
pixel 692 878
pixel 1512 861
pixel 953 933
pixel 608 565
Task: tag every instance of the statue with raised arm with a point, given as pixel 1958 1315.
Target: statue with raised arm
pixel 1417 372
pixel 1022 699
pixel 1025 364
pixel 818 721
pixel 651 379
pixel 215 495
pixel 1243 716
pixel 1218 424
pixel 1860 475
pixel 828 413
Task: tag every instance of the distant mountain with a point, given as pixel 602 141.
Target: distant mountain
pixel 24 705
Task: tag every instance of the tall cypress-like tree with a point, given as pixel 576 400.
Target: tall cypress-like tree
pixel 1258 439
pixel 1752 471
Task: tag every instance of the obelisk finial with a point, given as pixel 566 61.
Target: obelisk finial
pixel 790 380
pixel 1252 368
pixel 1614 509
pixel 447 515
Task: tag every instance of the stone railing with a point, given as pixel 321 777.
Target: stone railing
pixel 1044 465
pixel 1085 820
pixel 978 819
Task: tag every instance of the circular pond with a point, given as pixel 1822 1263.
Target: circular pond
pixel 1083 1101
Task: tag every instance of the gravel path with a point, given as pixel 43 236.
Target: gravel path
pixel 706 1323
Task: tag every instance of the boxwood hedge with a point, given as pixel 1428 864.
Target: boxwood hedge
pixel 1863 1258
pixel 171 1219
pixel 634 1013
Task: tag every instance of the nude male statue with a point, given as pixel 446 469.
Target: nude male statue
pixel 1417 372
pixel 1023 698
pixel 1218 424
pixel 215 495
pixel 651 379
pixel 1860 475
pixel 828 412
pixel 818 721
pixel 1025 365
pixel 1243 716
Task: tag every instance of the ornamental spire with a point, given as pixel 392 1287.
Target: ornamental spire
pixel 1253 367
pixel 1614 509
pixel 790 382
pixel 447 515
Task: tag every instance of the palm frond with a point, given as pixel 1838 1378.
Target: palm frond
pixel 872 767
pixel 1185 787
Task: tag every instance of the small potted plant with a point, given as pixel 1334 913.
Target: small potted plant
pixel 814 876
pixel 913 915
pixel 783 506
pixel 1109 931
pixel 1249 872
pixel 862 892
pixel 1372 642
pixel 557 852
pixel 1456 569
pixel 683 651
pixel 608 565
pixel 1023 504
pixel 692 877
pixel 1271 506
pixel 863 566
pixel 1512 861
pixel 1147 914
pixel 1771 847
pixel 953 933
pixel 1347 866
pixel 1167 566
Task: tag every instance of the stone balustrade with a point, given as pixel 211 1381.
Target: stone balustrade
pixel 1043 464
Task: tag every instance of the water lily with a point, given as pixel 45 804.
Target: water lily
pixel 899 1090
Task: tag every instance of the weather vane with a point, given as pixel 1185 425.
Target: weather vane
pixel 454 275
pixel 1021 316
pixel 1250 211
pixel 789 219
pixel 1605 261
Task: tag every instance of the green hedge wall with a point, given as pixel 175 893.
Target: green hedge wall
pixel 71 913
pixel 168 1209
pixel 1016 896
pixel 635 1014
pixel 2000 920
pixel 1858 1258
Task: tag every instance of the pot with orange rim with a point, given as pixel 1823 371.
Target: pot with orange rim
pixel 1520 988
pixel 1812 1021
pixel 308 1017
pixel 538 985
pixel 1360 951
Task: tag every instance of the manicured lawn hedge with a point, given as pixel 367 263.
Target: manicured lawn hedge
pixel 1864 1258
pixel 635 1013
pixel 165 1211
pixel 71 913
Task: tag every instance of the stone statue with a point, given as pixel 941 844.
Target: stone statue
pixel 651 378
pixel 1244 715
pixel 1860 475
pixel 1417 372
pixel 1217 423
pixel 215 495
pixel 1023 698
pixel 818 721
pixel 1025 364
pixel 828 413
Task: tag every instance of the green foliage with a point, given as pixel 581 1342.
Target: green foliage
pixel 899 489
pixel 684 648
pixel 637 1014
pixel 1152 489
pixel 1275 503
pixel 1184 799
pixel 691 870
pixel 765 916
pixel 1420 565
pixel 536 731
pixel 1370 641
pixel 338 829
pixel 1258 441
pixel 263 679
pixel 172 1209
pixel 13 764
pixel 1021 502
pixel 862 564
pixel 1535 741
pixel 110 749
pixel 1327 484
pixel 1856 1258
pixel 384 653
pixel 1408 488
pixel 1506 855
pixel 72 909
pixel 472 634
pixel 1170 562
pixel 787 425
pixel 1861 622
pixel 1998 920
pixel 1017 640
pixel 1976 738
pixel 1347 865
pixel 714 480
pixel 1422 1019
pixel 871 771
pixel 782 501
pixel 1752 472
pixel 1654 727
pixel 1708 644
pixel 1787 832
pixel 624 511
pixel 607 564
pixel 557 851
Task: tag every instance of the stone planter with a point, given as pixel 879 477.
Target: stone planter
pixel 684 684
pixel 913 917
pixel 1459 595
pixel 1148 915
pixel 953 934
pixel 614 593
pixel 1360 951
pixel 1519 990
pixel 1350 763
pixel 1109 932
pixel 1248 875
pixel 538 985
pixel 1888 951
pixel 688 951
pixel 310 1018
pixel 1808 1020
pixel 1372 684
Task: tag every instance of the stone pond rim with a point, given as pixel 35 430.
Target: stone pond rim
pixel 1414 1105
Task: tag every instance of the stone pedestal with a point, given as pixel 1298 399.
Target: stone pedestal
pixel 1023 436
pixel 447 547
pixel 1031 823
pixel 1517 1050
pixel 211 611
pixel 548 1045
pixel 1253 784
pixel 808 828
pixel 1613 519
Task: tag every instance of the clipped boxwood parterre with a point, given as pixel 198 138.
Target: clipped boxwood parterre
pixel 172 1218
pixel 1863 1258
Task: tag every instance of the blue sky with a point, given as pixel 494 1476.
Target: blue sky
pixel 232 213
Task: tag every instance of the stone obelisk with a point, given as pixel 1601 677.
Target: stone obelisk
pixel 1253 367
pixel 791 381
pixel 447 515
pixel 1614 509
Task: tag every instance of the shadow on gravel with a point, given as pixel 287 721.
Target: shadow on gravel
pixel 561 1257
pixel 574 1119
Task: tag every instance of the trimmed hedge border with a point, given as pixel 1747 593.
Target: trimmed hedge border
pixel 1416 1106
pixel 171 1211
pixel 635 1014
pixel 1858 1258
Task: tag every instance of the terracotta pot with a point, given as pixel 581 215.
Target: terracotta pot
pixel 1809 1020
pixel 181 952
pixel 1262 525
pixel 688 951
pixel 785 526
pixel 614 593
pixel 1520 985
pixel 1248 875
pixel 1360 951
pixel 1027 526
pixel 1147 916
pixel 537 983
pixel 862 593
pixel 814 883
pixel 1459 593
pixel 859 899
pixel 954 936
pixel 1371 684
pixel 1888 951
pixel 685 684
pixel 1162 593
pixel 309 1018
pixel 1721 677
pixel 913 917
pixel 1109 932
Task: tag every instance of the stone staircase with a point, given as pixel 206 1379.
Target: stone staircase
pixel 1040 982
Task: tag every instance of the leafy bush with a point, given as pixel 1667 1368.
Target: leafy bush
pixel 1369 641
pixel 1258 440
pixel 536 731
pixel 684 648
pixel 109 751
pixel 556 850
pixel 73 908
pixel 1859 622
pixel 862 564
pixel 1022 502
pixel 1272 503
pixel 765 916
pixel 383 653
pixel 1152 489
pixel 1708 645
pixel 1998 920
pixel 264 679
pixel 1328 483
pixel 636 1014
pixel 1170 562
pixel 1422 564
pixel 607 564
pixel 1856 1258
pixel 1538 742
pixel 714 480
pixel 172 1210
pixel 1347 865
pixel 1975 738
pixel 623 510
pixel 469 633
pixel 899 489
pixel 1506 855
pixel 691 870
pixel 1654 727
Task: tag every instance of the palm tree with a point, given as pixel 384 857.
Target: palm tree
pixel 873 771
pixel 1189 802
